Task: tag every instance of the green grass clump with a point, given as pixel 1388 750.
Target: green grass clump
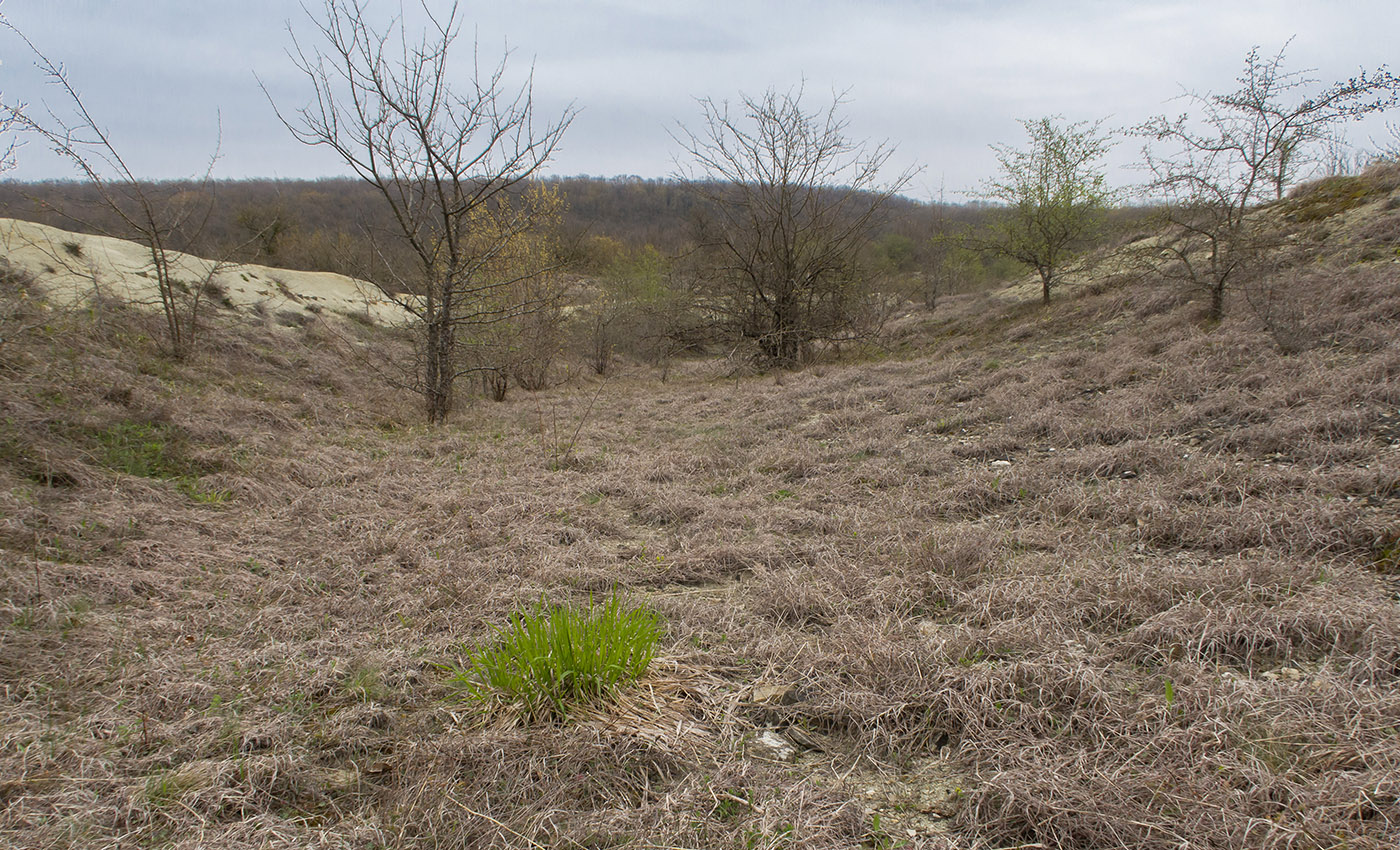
pixel 148 451
pixel 153 451
pixel 1330 196
pixel 553 657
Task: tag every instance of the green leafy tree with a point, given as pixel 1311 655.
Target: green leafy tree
pixel 1052 196
pixel 637 309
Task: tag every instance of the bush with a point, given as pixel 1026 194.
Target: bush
pixel 554 657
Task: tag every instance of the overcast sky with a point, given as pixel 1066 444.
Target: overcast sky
pixel 941 79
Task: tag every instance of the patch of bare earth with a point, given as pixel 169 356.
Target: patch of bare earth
pixel 1089 576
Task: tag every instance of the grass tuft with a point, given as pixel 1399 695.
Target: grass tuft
pixel 143 450
pixel 554 657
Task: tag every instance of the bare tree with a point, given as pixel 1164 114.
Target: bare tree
pixel 11 118
pixel 1051 195
pixel 1238 150
pixel 143 215
pixel 1388 149
pixel 640 308
pixel 791 203
pixel 446 162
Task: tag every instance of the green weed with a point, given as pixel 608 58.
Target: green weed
pixel 733 803
pixel 947 425
pixel 73 617
pixel 165 788
pixel 554 656
pixel 191 488
pixel 25 619
pixel 880 837
pixel 144 450
pixel 363 684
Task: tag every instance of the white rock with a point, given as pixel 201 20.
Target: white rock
pixel 773 746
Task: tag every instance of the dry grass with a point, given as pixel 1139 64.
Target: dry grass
pixel 1124 581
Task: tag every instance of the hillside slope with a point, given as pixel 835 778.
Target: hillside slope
pixel 1087 576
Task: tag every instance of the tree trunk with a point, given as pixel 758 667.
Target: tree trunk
pixel 786 344
pixel 438 372
pixel 495 383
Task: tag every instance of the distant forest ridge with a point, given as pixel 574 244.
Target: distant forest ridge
pixel 320 224
pixel 633 210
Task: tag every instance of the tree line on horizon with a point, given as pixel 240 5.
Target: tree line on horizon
pixel 299 222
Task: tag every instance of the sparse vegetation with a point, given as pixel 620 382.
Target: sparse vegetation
pixel 157 223
pixel 1211 169
pixel 924 588
pixel 142 449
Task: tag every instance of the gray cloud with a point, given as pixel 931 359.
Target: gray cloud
pixel 942 80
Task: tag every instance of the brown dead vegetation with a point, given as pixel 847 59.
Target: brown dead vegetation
pixel 1119 580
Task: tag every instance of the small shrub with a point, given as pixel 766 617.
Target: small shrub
pixel 553 657
pixel 215 290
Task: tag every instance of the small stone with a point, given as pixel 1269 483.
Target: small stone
pixel 774 747
pixel 774 694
